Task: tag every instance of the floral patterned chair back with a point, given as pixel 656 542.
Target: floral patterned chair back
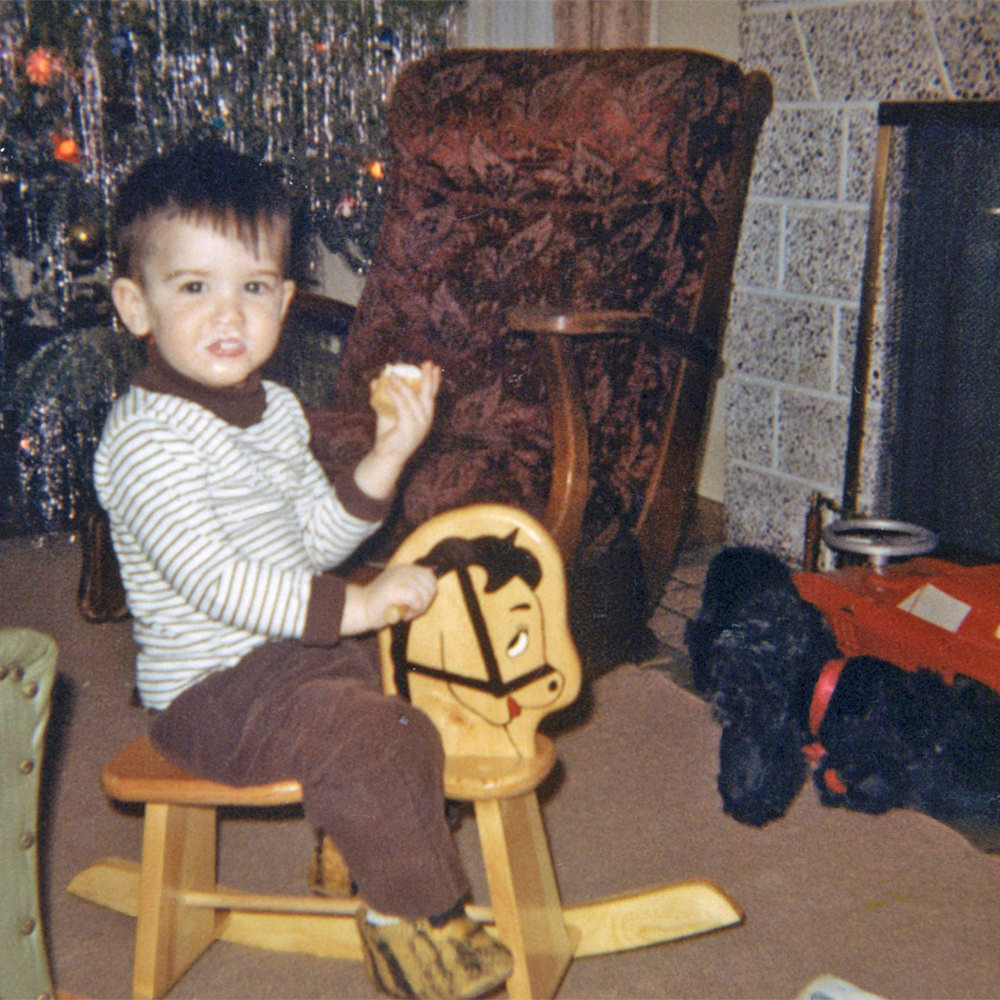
pixel 569 180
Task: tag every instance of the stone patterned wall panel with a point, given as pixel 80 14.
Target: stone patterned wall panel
pixel 750 410
pixel 872 51
pixel 772 42
pixel 766 509
pixel 968 34
pixel 788 340
pixel 847 341
pixel 796 300
pixel 883 348
pixel 825 251
pixel 799 154
pixel 812 432
pixel 862 139
pixel 758 258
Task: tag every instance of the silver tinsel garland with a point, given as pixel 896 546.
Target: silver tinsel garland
pixel 88 88
pixel 59 400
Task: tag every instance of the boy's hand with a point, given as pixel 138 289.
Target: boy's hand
pixel 406 591
pixel 398 435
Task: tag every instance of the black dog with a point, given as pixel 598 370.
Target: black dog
pixel 881 737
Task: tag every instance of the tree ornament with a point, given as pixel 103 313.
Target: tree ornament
pixel 40 66
pixel 86 241
pixel 386 39
pixel 346 206
pixel 122 51
pixel 66 148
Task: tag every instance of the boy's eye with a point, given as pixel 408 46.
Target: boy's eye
pixel 257 287
pixel 193 287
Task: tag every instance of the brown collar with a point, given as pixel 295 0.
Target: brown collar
pixel 243 406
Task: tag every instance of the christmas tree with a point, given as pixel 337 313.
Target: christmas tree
pixel 90 87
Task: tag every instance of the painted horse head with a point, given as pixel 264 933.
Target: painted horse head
pixel 492 656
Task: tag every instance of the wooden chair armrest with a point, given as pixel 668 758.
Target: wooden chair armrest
pixel 553 330
pixel 570 443
pixel 610 323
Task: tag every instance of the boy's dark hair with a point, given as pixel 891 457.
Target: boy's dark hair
pixel 201 179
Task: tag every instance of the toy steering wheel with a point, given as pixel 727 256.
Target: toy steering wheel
pixel 879 540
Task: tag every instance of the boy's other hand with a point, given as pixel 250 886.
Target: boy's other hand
pixel 399 434
pixel 404 430
pixel 399 592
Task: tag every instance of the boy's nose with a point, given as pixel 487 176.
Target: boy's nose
pixel 229 305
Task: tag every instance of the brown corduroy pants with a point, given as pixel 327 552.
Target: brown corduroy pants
pixel 370 764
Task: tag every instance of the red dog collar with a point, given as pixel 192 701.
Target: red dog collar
pixel 822 693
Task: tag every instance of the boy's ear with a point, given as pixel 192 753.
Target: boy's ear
pixel 288 293
pixel 130 301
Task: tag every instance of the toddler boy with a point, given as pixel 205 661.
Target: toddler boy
pixel 224 526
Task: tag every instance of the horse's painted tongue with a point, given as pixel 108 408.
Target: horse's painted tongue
pixel 513 708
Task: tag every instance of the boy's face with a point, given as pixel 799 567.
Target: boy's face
pixel 214 307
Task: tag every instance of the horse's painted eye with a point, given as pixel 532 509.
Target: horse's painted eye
pixel 518 644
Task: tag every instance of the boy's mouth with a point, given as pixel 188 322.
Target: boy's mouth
pixel 226 347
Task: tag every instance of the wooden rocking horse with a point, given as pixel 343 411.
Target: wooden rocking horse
pixel 487 662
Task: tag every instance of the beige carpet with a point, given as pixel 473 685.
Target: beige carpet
pixel 899 905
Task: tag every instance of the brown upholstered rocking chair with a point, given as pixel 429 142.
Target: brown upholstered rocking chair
pixel 559 236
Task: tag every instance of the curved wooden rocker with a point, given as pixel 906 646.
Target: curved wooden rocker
pixel 489 659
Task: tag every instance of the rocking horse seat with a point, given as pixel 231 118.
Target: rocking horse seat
pixel 138 773
pixel 475 779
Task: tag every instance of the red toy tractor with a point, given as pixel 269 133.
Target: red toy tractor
pixel 922 612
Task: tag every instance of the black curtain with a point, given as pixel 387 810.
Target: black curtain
pixel 945 454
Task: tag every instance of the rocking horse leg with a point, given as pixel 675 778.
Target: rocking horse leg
pixel 178 853
pixel 525 897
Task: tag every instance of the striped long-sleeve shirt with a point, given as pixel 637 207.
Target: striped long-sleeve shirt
pixel 221 531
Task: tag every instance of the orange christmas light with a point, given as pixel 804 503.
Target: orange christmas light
pixel 65 148
pixel 40 66
pixel 376 170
